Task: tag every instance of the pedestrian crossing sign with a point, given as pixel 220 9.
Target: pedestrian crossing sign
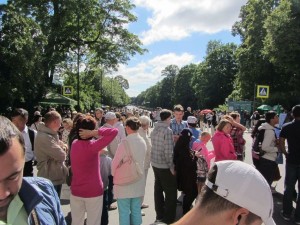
pixel 67 90
pixel 263 91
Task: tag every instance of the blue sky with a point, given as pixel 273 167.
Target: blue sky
pixel 175 32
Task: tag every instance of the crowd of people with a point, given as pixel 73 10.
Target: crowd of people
pixel 89 150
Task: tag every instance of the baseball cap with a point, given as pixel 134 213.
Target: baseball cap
pixel 241 184
pixel 37 113
pixel 110 116
pixel 191 119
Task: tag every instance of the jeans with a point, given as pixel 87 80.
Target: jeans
pixel 130 212
pixel 292 175
pixel 165 195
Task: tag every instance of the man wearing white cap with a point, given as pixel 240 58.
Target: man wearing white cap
pixel 110 120
pixel 235 194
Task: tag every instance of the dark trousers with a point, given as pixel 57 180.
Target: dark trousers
pixel 28 169
pixel 58 189
pixel 110 194
pixel 267 168
pixel 188 199
pixel 292 175
pixel 165 195
pixel 104 218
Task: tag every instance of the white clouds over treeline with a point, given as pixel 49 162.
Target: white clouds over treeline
pixel 146 74
pixel 177 19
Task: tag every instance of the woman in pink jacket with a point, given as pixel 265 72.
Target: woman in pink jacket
pixel 87 187
pixel 222 142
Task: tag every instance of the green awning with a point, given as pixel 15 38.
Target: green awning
pixel 54 98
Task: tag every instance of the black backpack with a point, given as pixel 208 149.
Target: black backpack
pixel 257 142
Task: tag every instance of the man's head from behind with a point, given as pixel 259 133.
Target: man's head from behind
pixel 296 111
pixel 52 120
pixel 240 191
pixel 11 163
pixel 165 114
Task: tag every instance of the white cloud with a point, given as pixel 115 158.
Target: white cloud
pixel 177 19
pixel 146 74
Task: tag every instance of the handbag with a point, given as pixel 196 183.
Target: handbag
pixel 56 171
pixel 128 171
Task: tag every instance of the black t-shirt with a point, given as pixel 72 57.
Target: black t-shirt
pixel 291 132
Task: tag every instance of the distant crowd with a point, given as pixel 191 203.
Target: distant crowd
pixel 104 156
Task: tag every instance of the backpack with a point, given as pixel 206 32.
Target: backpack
pixel 257 142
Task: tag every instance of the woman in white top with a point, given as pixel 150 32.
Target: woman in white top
pixel 129 196
pixel 144 132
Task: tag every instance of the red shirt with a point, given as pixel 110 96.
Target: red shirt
pixel 223 146
pixel 86 180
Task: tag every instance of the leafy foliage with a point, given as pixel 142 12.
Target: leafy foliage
pixel 41 39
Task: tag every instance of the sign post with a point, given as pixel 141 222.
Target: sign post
pixel 67 90
pixel 263 91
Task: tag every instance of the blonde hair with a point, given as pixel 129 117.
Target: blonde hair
pixel 204 133
pixel 68 121
pixel 145 120
pixel 222 124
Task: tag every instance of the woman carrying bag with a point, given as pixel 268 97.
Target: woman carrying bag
pixel 132 149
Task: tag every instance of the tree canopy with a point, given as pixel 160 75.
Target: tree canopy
pixel 269 54
pixel 41 40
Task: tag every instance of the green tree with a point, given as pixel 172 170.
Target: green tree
pixel 21 53
pixel 184 93
pixel 254 68
pixel 96 27
pixel 215 76
pixel 282 47
pixel 40 39
pixel 167 91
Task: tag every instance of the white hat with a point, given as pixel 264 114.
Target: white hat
pixel 191 119
pixel 243 185
pixel 110 116
pixel 37 113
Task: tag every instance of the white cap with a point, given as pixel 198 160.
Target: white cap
pixel 191 119
pixel 37 113
pixel 241 184
pixel 110 116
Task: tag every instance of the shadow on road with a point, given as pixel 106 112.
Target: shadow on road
pixel 277 198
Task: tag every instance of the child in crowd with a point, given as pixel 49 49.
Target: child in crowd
pixel 204 157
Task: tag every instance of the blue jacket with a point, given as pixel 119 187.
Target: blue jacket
pixel 39 194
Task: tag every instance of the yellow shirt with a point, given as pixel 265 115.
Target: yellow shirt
pixel 16 214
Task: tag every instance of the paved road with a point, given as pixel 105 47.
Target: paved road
pixel 149 199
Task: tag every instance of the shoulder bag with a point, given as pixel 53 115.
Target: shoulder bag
pixel 128 170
